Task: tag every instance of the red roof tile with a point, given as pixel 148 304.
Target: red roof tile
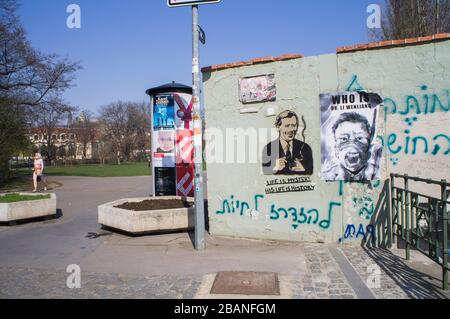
pixel 283 57
pixel 393 43
pixel 346 49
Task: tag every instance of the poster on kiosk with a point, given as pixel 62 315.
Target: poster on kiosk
pixel 172 140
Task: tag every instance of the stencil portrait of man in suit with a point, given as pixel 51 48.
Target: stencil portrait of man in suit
pixel 287 155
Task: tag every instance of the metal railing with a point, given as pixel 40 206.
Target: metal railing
pixel 422 221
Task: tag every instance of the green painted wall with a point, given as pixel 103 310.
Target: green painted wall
pixel 238 205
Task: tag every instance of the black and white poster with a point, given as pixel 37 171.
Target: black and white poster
pixel 165 181
pixel 289 154
pixel 350 150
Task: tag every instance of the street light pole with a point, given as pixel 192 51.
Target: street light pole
pixel 198 140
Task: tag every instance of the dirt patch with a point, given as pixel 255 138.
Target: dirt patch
pixel 156 204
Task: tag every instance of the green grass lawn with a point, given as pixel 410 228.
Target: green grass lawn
pixel 134 169
pixel 11 198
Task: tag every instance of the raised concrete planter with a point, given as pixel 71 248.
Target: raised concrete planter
pixel 135 222
pixel 10 212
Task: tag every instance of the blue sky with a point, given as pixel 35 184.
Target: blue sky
pixel 127 46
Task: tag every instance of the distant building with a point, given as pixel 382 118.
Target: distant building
pixel 65 140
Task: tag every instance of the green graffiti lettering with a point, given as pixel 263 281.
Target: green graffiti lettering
pixel 244 207
pixel 437 100
pixel 391 140
pixel 438 147
pixel 274 215
pixel 226 205
pixel 303 215
pixel 354 85
pixel 294 214
pixel 425 142
pixel 257 197
pixel 316 212
pixel 325 224
pixel 393 110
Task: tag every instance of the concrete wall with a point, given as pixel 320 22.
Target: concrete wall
pixel 408 75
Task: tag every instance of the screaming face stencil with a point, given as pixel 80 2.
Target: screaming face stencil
pixel 349 150
pixel 352 146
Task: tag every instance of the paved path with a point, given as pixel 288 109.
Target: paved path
pixel 34 258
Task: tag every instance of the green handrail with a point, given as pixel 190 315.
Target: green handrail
pixel 406 213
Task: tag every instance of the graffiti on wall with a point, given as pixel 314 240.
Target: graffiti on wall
pixel 297 216
pixel 425 103
pixel 412 104
pixel 410 143
pixel 302 215
pixel 360 232
pixel 359 218
pixel 415 109
pixel 364 206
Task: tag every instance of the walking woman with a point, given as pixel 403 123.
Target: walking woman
pixel 38 172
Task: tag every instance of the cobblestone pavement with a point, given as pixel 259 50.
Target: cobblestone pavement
pixel 46 284
pixel 324 279
pixel 360 260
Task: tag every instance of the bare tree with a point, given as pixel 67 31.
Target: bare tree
pixel 413 18
pixel 27 76
pixel 85 129
pixel 48 116
pixel 71 149
pixel 104 149
pixel 124 123
pixel 143 141
pixel 28 79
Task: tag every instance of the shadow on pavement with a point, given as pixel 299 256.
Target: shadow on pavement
pixel 414 283
pixel 45 219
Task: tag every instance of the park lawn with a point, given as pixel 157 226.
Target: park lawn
pixel 134 169
pixel 12 198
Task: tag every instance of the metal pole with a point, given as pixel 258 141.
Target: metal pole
pixel 390 209
pixel 198 158
pixel 445 246
pixel 407 212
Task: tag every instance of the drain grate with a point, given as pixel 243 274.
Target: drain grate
pixel 246 283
